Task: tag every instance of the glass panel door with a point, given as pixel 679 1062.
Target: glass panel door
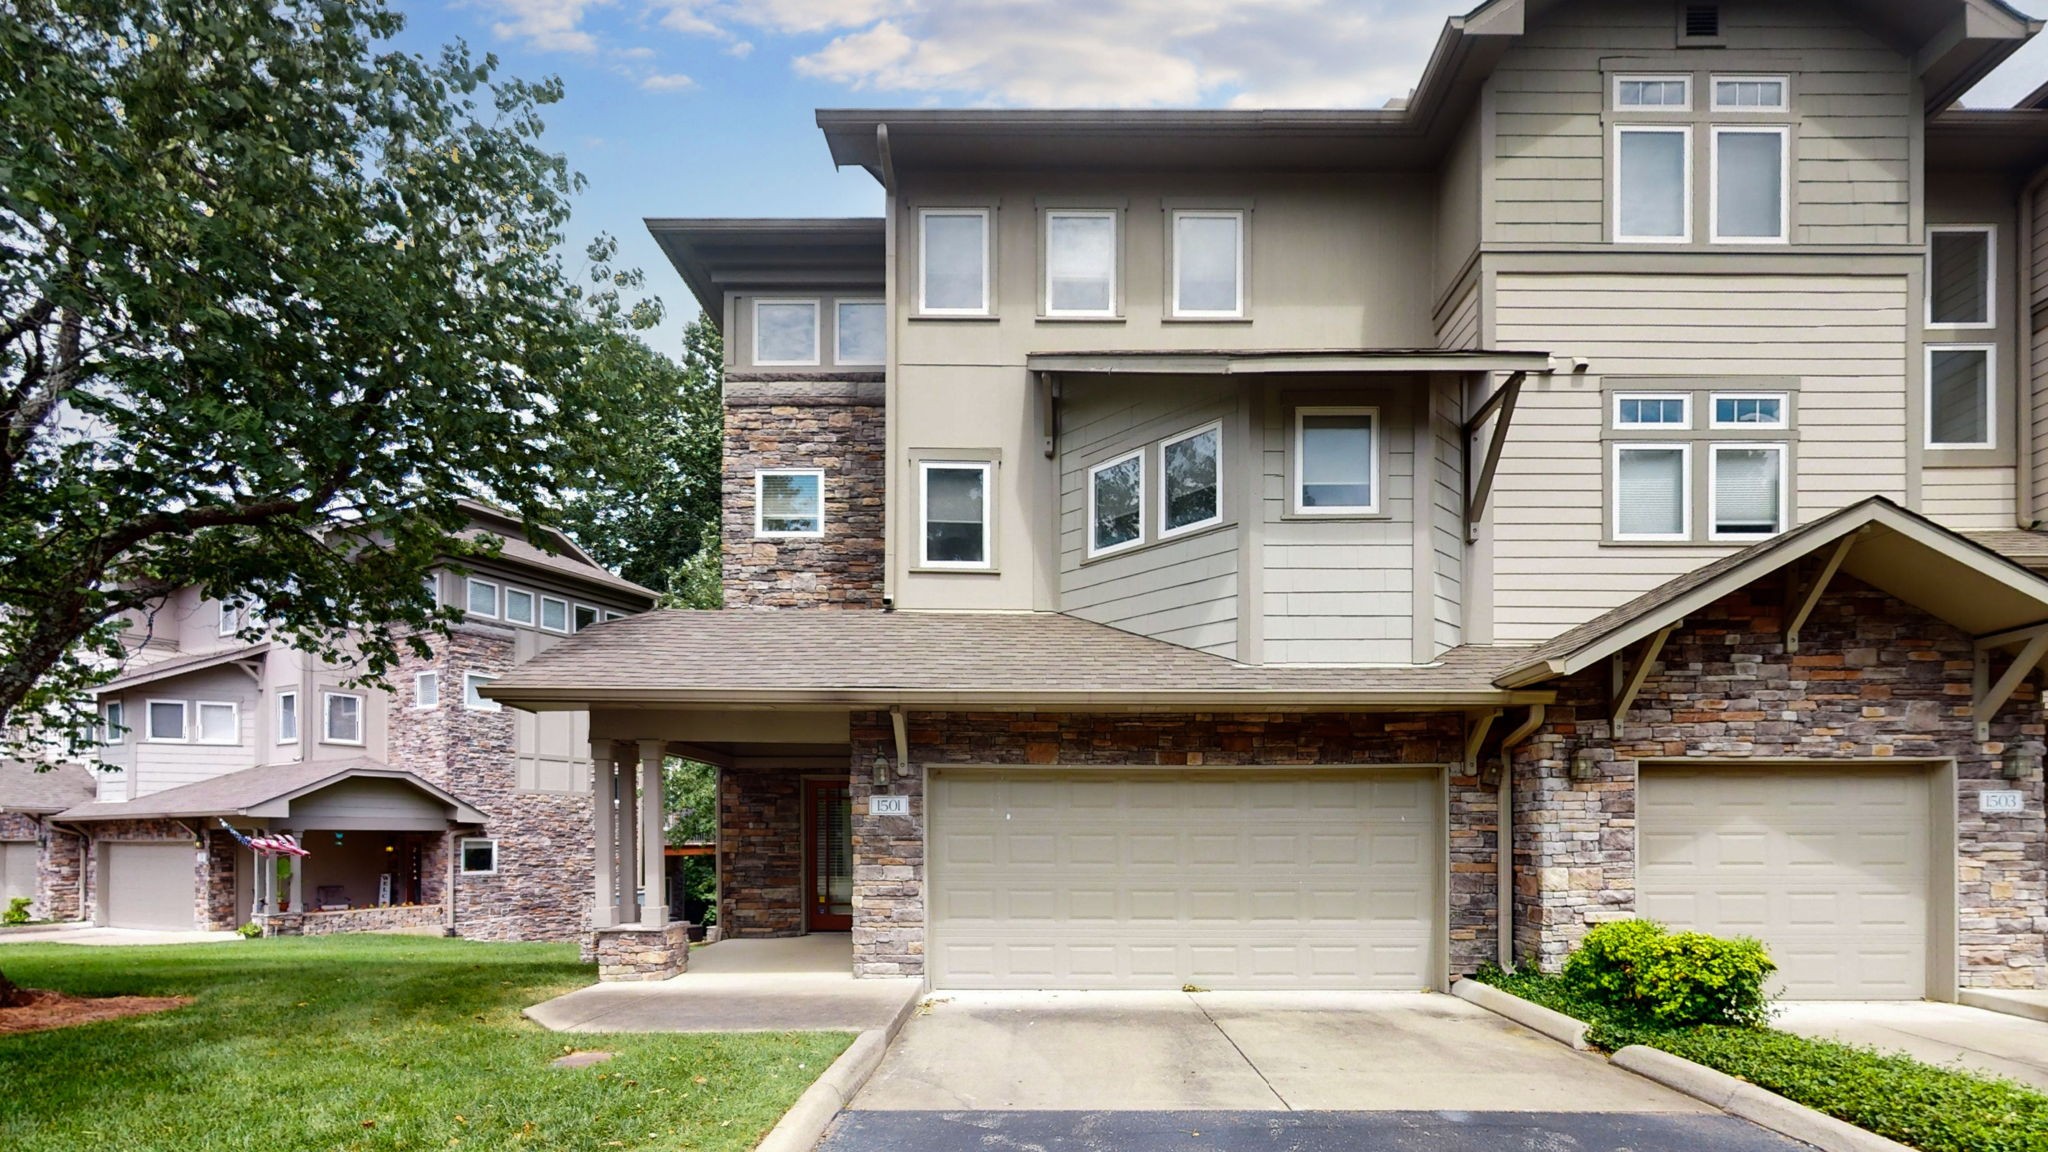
pixel 828 852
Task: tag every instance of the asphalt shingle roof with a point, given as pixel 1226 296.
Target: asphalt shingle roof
pixel 237 792
pixel 23 788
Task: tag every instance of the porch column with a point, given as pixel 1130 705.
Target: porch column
pixel 298 882
pixel 629 856
pixel 653 838
pixel 604 793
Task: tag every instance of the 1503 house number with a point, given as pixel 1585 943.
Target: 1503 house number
pixel 888 805
pixel 2001 801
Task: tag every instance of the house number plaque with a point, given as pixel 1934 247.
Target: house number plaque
pixel 2001 801
pixel 888 805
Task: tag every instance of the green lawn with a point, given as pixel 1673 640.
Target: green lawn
pixel 369 1042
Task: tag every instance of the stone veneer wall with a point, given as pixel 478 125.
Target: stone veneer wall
pixel 889 857
pixel 60 865
pixel 835 425
pixel 761 852
pixel 213 881
pixel 1874 679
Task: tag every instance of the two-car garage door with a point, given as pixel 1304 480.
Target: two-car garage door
pixel 1146 878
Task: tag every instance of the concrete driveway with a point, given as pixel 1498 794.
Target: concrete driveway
pixel 96 937
pixel 2003 1045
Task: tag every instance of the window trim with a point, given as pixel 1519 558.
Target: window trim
pixel 291 694
pixel 1300 459
pixel 1112 310
pixel 1173 219
pixel 544 626
pixel 149 722
pixel 505 602
pixel 1684 134
pixel 469 585
pixel 420 678
pixel 1088 526
pixel 1618 424
pixel 987 563
pixel 596 616
pixel 199 708
pixel 760 508
pixel 485 704
pixel 462 856
pixel 1990 441
pixel 1614 91
pixel 1166 532
pixel 1784 134
pixel 1714 450
pixel 839 341
pixel 1783 81
pixel 327 735
pixel 230 623
pixel 114 724
pixel 987 306
pixel 817 335
pixel 1685 492
pixel 1716 424
pixel 1990 321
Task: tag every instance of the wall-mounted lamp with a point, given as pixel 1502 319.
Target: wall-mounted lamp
pixel 1584 767
pixel 881 771
pixel 2019 764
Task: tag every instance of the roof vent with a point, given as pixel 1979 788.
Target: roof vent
pixel 1700 21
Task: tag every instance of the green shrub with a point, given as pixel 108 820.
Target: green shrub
pixel 17 911
pixel 1603 966
pixel 1674 980
pixel 250 931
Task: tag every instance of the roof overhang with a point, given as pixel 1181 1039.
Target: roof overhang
pixel 245 794
pixel 717 256
pixel 2009 140
pixel 1223 363
pixel 181 665
pixel 570 697
pixel 1976 37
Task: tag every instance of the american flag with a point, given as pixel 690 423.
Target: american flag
pixel 279 844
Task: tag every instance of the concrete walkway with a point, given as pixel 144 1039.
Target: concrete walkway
pixel 802 984
pixel 93 936
pixel 1950 1034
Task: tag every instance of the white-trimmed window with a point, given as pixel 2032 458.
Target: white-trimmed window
pixel 1961 285
pixel 1208 263
pixel 518 606
pixel 789 502
pixel 473 697
pixel 1336 461
pixel 1653 491
pixel 1745 491
pixel 166 720
pixel 220 722
pixel 426 691
pixel 1652 410
pixel 432 583
pixel 341 718
pixel 610 615
pixel 287 717
pixel 1748 410
pixel 860 331
pixel 583 617
pixel 1748 193
pixel 114 723
pixel 954 497
pixel 1653 183
pixel 1653 93
pixel 479 857
pixel 1116 504
pixel 1080 262
pixel 1959 391
pixel 1749 94
pixel 786 332
pixel 1191 481
pixel 481 597
pixel 554 614
pixel 230 619
pixel 952 274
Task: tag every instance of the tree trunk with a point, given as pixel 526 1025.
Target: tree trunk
pixel 10 995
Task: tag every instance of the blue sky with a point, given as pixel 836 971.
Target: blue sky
pixel 703 107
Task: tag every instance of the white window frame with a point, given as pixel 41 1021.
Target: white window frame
pixel 610 615
pixel 1295 505
pixel 230 619
pixel 1990 234
pixel 199 708
pixel 1713 487
pixel 505 605
pixel 1684 133
pixel 760 508
pixel 1784 134
pixel 432 583
pixel 1115 247
pixel 546 600
pixel 420 683
pixel 1685 409
pixel 1715 422
pixel 114 723
pixel 1990 440
pixel 924 512
pixel 817 318
pixel 1682 78
pixel 297 720
pixel 1173 220
pixel 327 735
pixel 596 616
pixel 1088 527
pixel 1685 491
pixel 462 856
pixel 1784 83
pixel 469 597
pixel 987 260
pixel 471 680
pixel 839 343
pixel 149 735
pixel 1215 426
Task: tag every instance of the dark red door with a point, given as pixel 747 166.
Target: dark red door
pixel 828 856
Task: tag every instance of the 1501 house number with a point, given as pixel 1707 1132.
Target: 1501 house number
pixel 888 805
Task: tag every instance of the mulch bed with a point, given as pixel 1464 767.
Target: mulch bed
pixel 46 1010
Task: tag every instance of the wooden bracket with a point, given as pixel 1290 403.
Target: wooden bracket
pixel 902 734
pixel 1477 737
pixel 1634 682
pixel 1478 489
pixel 1803 603
pixel 1990 700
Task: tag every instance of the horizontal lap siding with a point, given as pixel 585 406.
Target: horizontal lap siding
pixel 1843 337
pixel 1968 498
pixel 2035 274
pixel 1447 527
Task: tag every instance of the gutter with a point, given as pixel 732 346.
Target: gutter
pixel 1504 850
pixel 891 433
pixel 942 699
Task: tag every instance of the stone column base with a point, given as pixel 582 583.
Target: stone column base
pixel 636 952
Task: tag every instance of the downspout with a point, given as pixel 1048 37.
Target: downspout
pixel 890 448
pixel 1504 854
pixel 2023 349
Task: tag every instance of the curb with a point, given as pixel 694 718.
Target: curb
pixel 2008 1005
pixel 804 1124
pixel 1760 1107
pixel 1554 1024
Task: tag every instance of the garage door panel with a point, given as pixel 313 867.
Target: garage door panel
pixel 148 885
pixel 17 870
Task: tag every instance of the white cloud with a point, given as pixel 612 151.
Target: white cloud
pixel 548 25
pixel 667 82
pixel 740 48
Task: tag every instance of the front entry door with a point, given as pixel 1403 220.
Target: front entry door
pixel 828 856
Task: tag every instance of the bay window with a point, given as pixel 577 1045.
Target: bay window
pixel 1116 502
pixel 1191 481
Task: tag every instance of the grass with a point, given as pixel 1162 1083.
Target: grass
pixel 370 1042
pixel 1937 1109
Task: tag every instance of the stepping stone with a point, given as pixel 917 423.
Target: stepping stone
pixel 581 1059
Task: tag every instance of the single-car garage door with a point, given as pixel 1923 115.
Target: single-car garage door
pixel 1828 867
pixel 148 885
pixel 17 870
pixel 1134 878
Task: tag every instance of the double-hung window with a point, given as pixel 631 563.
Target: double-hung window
pixel 1116 504
pixel 1191 481
pixel 1653 183
pixel 1336 462
pixel 166 722
pixel 954 497
pixel 1745 491
pixel 230 619
pixel 953 261
pixel 1959 391
pixel 114 729
pixel 1960 286
pixel 341 718
pixel 785 332
pixel 1749 192
pixel 288 718
pixel 1080 262
pixel 219 723
pixel 860 332
pixel 789 502
pixel 1962 378
pixel 1661 457
pixel 1208 264
pixel 1652 491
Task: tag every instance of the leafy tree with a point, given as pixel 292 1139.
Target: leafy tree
pixel 690 791
pixel 273 298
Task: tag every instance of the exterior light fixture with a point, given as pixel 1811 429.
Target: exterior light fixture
pixel 881 771
pixel 2019 764
pixel 1584 767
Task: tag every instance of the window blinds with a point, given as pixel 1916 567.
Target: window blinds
pixel 1650 492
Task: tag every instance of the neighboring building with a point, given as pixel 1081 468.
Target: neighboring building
pixel 37 861
pixel 1342 549
pixel 402 797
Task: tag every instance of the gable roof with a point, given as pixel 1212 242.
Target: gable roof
pixel 568 560
pixel 1896 551
pixel 260 792
pixel 43 790
pixel 154 671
